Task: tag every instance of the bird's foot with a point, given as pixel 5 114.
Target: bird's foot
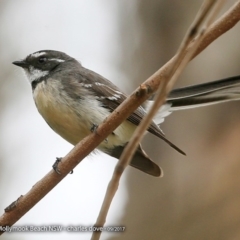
pixel 55 166
pixel 94 129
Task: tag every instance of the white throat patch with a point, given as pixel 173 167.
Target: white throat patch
pixel 34 74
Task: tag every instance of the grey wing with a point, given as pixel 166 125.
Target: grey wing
pixel 111 97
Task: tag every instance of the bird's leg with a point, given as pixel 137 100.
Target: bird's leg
pixel 55 165
pixel 94 129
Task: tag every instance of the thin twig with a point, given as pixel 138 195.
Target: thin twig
pixel 227 21
pixel 83 148
pixel 215 12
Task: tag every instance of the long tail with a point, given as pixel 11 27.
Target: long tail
pixel 205 94
pixel 199 95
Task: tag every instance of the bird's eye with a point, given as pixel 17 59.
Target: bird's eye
pixel 42 60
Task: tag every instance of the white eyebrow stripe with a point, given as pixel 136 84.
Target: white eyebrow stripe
pixel 38 54
pixel 56 59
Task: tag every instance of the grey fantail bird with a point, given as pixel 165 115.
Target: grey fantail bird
pixel 73 99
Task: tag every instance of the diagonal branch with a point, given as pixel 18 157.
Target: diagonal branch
pixel 83 148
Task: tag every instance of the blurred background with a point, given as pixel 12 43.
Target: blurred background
pixel 125 41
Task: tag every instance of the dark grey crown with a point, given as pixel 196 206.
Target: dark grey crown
pixel 42 64
pixel 46 59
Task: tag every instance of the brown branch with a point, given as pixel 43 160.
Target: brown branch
pixel 83 148
pixel 222 25
pixel 178 65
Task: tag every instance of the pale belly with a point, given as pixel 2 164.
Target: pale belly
pixel 62 117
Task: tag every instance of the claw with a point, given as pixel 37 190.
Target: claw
pixel 94 128
pixel 55 165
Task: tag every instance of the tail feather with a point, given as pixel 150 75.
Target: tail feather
pixel 182 98
pixel 199 95
pixel 140 161
pixel 205 94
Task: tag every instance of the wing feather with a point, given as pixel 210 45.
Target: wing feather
pixel 111 97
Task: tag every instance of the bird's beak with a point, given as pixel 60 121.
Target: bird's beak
pixel 22 63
